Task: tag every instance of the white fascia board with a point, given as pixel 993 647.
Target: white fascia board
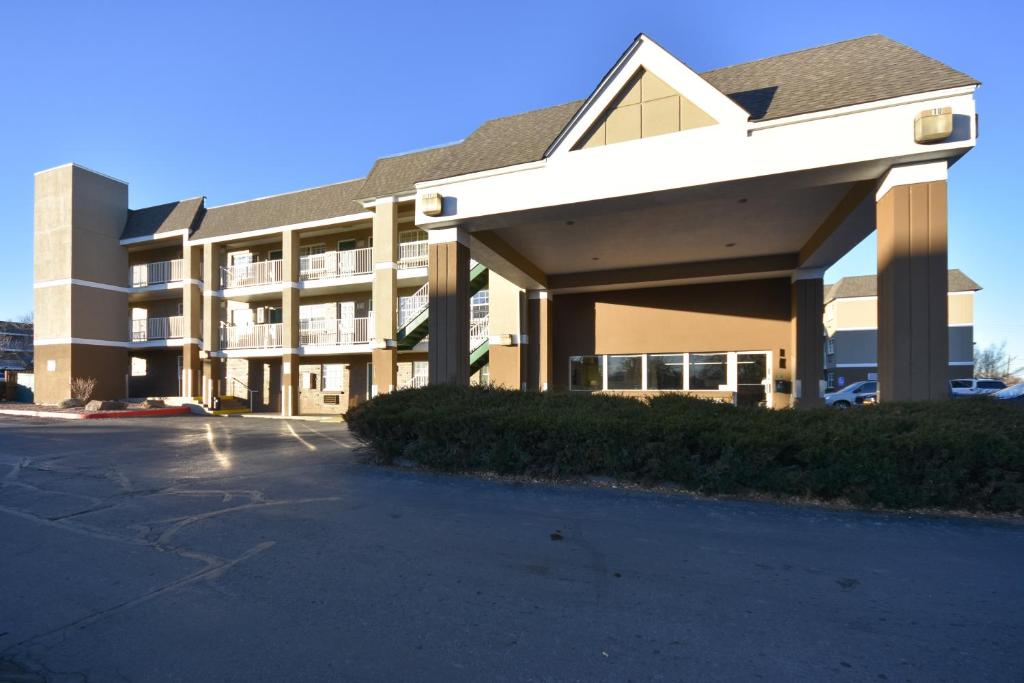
pixel 645 53
pixel 719 154
pixel 44 284
pixel 336 220
pixel 336 350
pixel 155 237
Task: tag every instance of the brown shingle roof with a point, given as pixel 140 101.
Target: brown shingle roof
pixel 154 220
pixel 283 209
pixel 851 72
pixel 867 285
pixel 399 173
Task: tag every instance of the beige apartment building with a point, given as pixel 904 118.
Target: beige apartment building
pixel 668 233
pixel 851 328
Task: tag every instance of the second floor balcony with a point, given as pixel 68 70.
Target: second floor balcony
pixel 413 254
pixel 155 329
pixel 256 336
pixel 252 274
pixel 336 332
pixel 157 273
pixel 336 264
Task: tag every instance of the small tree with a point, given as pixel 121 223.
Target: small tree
pixel 82 388
pixel 995 362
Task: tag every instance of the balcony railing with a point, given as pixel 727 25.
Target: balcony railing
pixel 413 254
pixel 340 332
pixel 156 273
pixel 148 329
pixel 251 274
pixel 410 306
pixel 261 336
pixel 334 264
pixel 478 332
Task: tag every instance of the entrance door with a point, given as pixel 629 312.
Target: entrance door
pixel 753 375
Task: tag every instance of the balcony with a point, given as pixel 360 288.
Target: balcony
pixel 413 254
pixel 157 273
pixel 340 332
pixel 260 336
pixel 152 329
pixel 251 274
pixel 478 332
pixel 410 306
pixel 336 264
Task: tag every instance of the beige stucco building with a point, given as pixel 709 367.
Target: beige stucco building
pixel 669 232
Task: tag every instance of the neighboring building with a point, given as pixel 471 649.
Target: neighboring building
pixel 15 346
pixel 851 328
pixel 669 232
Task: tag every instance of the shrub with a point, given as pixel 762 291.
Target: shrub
pixel 82 388
pixel 963 454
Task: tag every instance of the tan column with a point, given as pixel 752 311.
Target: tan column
pixel 192 310
pixel 539 352
pixel 448 275
pixel 507 348
pixel 913 336
pixel 213 368
pixel 807 297
pixel 290 323
pixel 213 379
pixel 385 295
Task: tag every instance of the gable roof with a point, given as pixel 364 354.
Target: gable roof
pixel 867 285
pixel 314 204
pixel 163 218
pixel 396 174
pixel 856 71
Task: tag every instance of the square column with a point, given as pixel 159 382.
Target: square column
pixel 538 351
pixel 807 297
pixel 192 310
pixel 214 372
pixel 508 341
pixel 385 295
pixel 290 323
pixel 212 315
pixel 448 325
pixel 913 330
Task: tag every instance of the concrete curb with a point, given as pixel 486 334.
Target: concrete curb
pixel 99 415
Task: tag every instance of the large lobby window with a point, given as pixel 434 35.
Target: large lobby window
pixel 708 370
pixel 625 372
pixel 666 372
pixel 585 373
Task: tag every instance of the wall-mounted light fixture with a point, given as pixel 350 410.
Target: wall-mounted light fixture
pixel 431 204
pixel 933 125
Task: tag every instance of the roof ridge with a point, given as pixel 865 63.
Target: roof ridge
pixel 282 194
pixel 531 111
pixel 796 52
pixel 173 201
pixel 431 148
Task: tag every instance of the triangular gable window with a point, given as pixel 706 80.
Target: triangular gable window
pixel 646 107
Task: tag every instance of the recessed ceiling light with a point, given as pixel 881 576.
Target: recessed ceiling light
pixel 594 258
pixel 742 200
pixel 731 244
pixel 570 222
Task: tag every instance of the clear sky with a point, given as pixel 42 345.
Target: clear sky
pixel 234 100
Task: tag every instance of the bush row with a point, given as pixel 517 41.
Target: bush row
pixel 962 454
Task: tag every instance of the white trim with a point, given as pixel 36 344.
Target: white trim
pixel 960 324
pixel 42 284
pixel 84 168
pixel 869 328
pixel 405 273
pixel 56 341
pixel 909 174
pixel 182 232
pixel 541 294
pixel 337 349
pixel 855 365
pixel 447 236
pixel 385 265
pixel 425 184
pixel 807 274
pixel 164 343
pixel 961 362
pixel 253 353
pixel 335 220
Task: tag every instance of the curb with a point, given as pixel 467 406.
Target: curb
pixel 152 412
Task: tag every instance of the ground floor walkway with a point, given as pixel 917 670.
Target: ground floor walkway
pixel 238 550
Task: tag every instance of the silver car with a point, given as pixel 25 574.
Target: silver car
pixel 975 387
pixel 853 395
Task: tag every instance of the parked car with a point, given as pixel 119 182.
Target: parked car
pixel 974 387
pixel 1013 393
pixel 855 394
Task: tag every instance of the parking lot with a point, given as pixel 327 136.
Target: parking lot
pixel 187 549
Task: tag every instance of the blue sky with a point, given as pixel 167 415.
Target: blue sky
pixel 235 100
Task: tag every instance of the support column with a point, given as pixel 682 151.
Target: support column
pixel 290 323
pixel 192 311
pixel 508 340
pixel 448 275
pixel 807 297
pixel 539 352
pixel 385 295
pixel 913 329
pixel 212 315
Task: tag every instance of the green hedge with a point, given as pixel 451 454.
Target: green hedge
pixel 965 454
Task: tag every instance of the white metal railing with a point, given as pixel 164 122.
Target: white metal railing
pixel 332 264
pixel 158 272
pixel 410 306
pixel 261 336
pixel 340 332
pixel 251 274
pixel 478 332
pixel 147 329
pixel 413 254
pixel 419 381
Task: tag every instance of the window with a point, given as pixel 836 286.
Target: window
pixel 585 373
pixel 625 372
pixel 333 376
pixel 960 383
pixel 275 255
pixel 138 366
pixel 346 245
pixel 273 314
pixel 479 304
pixel 406 236
pixel 239 258
pixel 867 388
pixel 708 371
pixel 990 384
pixel 311 250
pixel 666 372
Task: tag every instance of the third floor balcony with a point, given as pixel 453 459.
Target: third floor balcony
pixel 157 273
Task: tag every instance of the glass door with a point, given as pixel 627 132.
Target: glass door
pixel 752 379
